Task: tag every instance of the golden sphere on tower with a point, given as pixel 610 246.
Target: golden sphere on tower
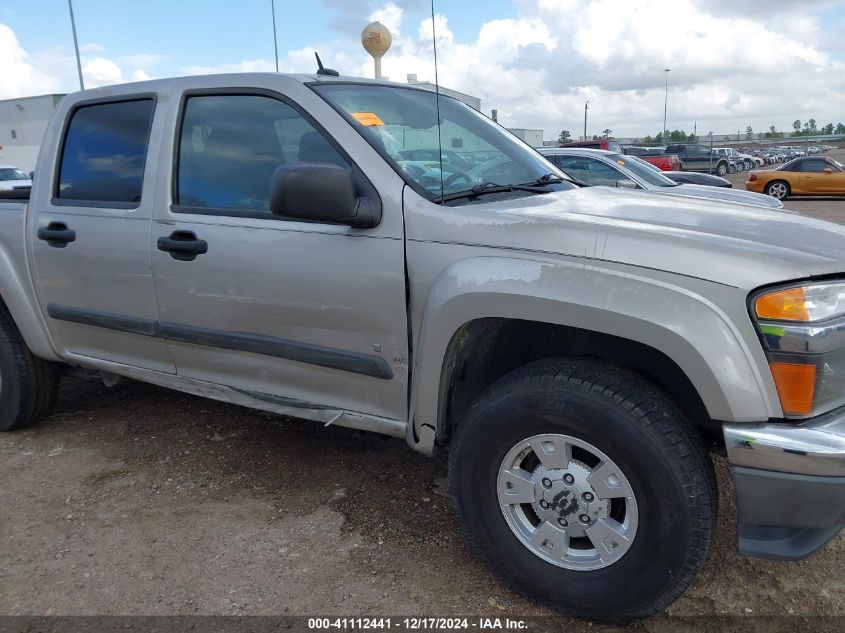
pixel 376 39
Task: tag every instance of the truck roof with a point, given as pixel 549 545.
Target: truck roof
pixel 244 78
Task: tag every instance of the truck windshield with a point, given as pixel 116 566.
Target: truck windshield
pixel 401 124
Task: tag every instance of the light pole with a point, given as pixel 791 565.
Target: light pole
pixel 75 45
pixel 586 105
pixel 275 43
pixel 665 105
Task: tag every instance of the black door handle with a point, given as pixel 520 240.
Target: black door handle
pixel 56 234
pixel 183 245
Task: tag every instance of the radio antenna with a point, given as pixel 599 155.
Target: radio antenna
pixel 437 98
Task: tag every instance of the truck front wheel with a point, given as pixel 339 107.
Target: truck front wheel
pixel 28 385
pixel 583 486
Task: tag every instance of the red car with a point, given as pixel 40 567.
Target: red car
pixel 605 143
pixel 664 162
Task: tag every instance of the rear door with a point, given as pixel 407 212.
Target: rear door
pixel 90 233
pixel 305 312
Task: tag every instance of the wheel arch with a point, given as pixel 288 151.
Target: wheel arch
pixel 16 295
pixel 503 313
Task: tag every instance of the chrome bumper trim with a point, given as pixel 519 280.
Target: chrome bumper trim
pixel 811 447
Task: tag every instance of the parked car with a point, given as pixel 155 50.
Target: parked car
pixel 574 349
pixel 597 167
pixel 695 157
pixel 654 156
pixel 605 143
pixel 744 161
pixel 697 178
pixel 13 178
pixel 810 176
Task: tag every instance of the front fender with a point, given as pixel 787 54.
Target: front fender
pixel 713 343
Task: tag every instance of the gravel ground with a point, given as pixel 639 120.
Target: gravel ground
pixel 138 500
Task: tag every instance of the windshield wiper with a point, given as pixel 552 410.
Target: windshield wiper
pixel 544 180
pixel 489 187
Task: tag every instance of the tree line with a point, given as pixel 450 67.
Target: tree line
pixel 808 128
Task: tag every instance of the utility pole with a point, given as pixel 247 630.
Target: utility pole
pixel 666 104
pixel 275 43
pixel 586 105
pixel 75 45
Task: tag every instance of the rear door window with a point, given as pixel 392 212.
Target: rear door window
pixel 104 153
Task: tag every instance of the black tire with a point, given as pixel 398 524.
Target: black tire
pixel 636 426
pixel 722 168
pixel 28 385
pixel 748 165
pixel 731 169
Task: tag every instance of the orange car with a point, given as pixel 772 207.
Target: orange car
pixel 807 176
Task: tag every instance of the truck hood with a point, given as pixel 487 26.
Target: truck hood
pixel 726 195
pixel 734 244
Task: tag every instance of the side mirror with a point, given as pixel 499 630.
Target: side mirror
pixel 625 183
pixel 828 170
pixel 320 192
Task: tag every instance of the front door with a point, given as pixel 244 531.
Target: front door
pixel 312 313
pixel 829 180
pixel 90 234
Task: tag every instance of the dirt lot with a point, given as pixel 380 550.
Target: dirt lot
pixel 136 500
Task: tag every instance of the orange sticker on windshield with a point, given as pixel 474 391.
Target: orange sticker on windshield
pixel 367 118
pixel 620 162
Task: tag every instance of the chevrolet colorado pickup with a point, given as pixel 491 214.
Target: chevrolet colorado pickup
pixel 272 241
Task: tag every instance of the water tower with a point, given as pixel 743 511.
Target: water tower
pixel 376 40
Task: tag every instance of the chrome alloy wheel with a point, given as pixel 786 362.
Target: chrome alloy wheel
pixel 567 502
pixel 777 190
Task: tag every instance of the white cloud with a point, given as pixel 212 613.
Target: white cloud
pixel 390 15
pixel 100 71
pixel 728 71
pixel 250 66
pixel 54 69
pixel 730 68
pixel 141 60
pixel 19 76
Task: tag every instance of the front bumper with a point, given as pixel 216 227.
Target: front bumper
pixel 790 484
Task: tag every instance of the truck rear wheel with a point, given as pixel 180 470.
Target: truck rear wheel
pixel 583 486
pixel 28 385
pixel 722 168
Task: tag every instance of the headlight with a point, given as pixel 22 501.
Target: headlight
pixel 814 303
pixel 803 332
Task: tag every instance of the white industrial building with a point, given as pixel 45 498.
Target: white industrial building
pixel 22 126
pixel 472 102
pixel 533 137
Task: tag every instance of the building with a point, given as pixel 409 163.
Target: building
pixel 533 137
pixel 473 102
pixel 22 126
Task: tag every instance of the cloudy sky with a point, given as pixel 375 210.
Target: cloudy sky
pixel 733 62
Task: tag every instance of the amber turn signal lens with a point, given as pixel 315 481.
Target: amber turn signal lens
pixel 783 305
pixel 796 385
